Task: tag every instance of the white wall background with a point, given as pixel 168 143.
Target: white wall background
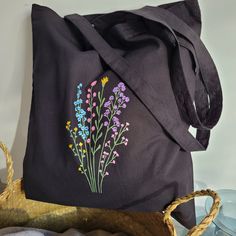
pixel 216 167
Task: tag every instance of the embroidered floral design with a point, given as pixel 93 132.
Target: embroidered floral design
pixel 99 131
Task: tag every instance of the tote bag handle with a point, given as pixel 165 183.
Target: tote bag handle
pixel 122 68
pixel 205 111
pixel 207 69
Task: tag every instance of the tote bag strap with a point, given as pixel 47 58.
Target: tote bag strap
pixel 122 68
pixel 207 69
pixel 205 111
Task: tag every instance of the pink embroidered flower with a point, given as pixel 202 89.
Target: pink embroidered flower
pixel 105 154
pixel 94 94
pixel 88 95
pixel 88 140
pixel 89 120
pixel 126 142
pixel 93 83
pixel 93 128
pixel 116 154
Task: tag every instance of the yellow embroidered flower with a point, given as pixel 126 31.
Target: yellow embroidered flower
pixel 70 146
pixel 104 80
pixel 75 129
pixel 84 151
pixel 68 125
pixel 80 144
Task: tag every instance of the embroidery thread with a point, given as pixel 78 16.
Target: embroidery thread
pixel 99 131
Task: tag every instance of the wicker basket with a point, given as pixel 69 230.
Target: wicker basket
pixel 16 210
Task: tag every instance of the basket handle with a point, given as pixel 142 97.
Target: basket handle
pixel 198 229
pixel 9 162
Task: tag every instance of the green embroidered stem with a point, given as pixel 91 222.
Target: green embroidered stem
pixel 103 174
pixel 108 159
pixel 104 141
pixel 90 185
pixel 88 161
pixel 81 115
pixel 91 157
pixel 76 153
pixel 98 128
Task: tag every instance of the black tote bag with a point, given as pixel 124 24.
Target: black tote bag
pixel 113 98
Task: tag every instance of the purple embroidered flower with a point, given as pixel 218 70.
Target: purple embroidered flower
pixel 118 112
pixel 115 90
pixel 106 123
pixel 116 121
pixel 107 104
pixel 114 129
pixel 127 99
pixel 106 113
pixel 121 85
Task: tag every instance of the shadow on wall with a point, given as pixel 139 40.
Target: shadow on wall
pixel 19 144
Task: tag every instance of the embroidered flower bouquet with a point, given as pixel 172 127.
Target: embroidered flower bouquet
pixel 98 132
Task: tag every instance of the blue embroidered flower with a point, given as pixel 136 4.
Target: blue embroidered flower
pixel 80 114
